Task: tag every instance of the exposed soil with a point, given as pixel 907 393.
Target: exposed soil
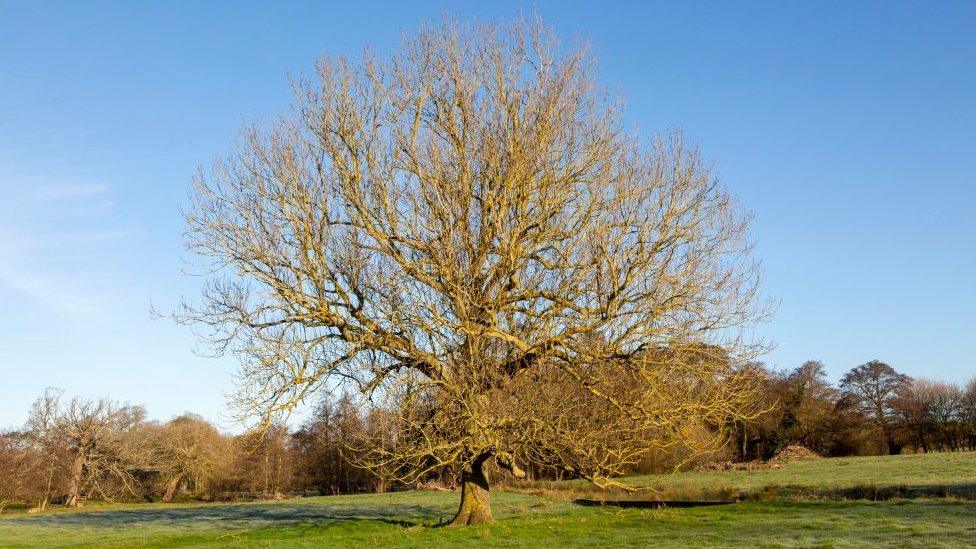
pixel 794 452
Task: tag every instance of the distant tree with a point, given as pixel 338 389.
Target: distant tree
pixel 21 467
pixel 968 405
pixel 802 407
pixel 911 405
pixel 946 410
pixel 808 403
pixel 470 224
pixel 935 415
pixel 189 450
pixel 752 435
pixel 322 443
pixel 263 462
pixel 93 440
pixel 873 387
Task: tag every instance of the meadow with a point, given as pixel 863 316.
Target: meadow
pixel 916 501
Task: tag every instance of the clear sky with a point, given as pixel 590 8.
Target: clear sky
pixel 848 128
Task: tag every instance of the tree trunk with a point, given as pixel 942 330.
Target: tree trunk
pixel 475 498
pixel 891 444
pixel 74 487
pixel 171 487
pixel 745 442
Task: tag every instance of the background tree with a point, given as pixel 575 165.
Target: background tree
pixel 968 405
pixel 322 444
pixel 263 462
pixel 800 406
pixel 189 451
pixel 21 467
pixel 934 415
pixel 912 405
pixel 807 405
pixel 873 386
pixel 91 439
pixel 754 436
pixel 814 414
pixel 466 233
pixel 945 409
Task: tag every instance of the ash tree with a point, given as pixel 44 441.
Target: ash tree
pixel 466 233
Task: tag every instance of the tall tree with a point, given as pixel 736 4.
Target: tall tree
pixel 467 234
pixel 874 386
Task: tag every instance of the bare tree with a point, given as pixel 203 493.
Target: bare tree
pixel 189 450
pixel 969 412
pixel 874 386
pixel 263 462
pixel 321 446
pixel 20 466
pixel 913 411
pixel 946 410
pixel 467 234
pixel 93 436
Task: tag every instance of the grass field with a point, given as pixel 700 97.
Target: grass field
pixel 882 477
pixel 786 518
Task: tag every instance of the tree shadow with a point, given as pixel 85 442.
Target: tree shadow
pixel 646 503
pixel 965 491
pixel 239 516
pixel 870 492
pixel 789 492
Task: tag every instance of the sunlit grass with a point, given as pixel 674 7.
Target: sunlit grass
pixel 407 518
pixel 880 477
pixel 381 521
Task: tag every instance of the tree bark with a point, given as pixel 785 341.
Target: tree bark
pixel 171 487
pixel 74 487
pixel 475 505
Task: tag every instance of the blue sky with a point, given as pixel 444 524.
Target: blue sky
pixel 849 129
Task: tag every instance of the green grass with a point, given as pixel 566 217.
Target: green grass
pixel 404 519
pixel 916 475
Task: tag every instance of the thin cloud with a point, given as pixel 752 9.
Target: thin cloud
pixel 47 258
pixel 106 235
pixel 34 345
pixel 66 192
pixel 18 245
pixel 54 292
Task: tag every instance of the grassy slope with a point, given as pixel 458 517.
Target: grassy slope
pixel 526 520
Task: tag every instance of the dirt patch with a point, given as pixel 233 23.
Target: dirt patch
pixel 734 466
pixel 794 452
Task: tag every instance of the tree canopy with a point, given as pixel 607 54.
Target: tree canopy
pixel 466 233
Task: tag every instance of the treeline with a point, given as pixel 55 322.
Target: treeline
pixel 74 450
pixel 873 410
